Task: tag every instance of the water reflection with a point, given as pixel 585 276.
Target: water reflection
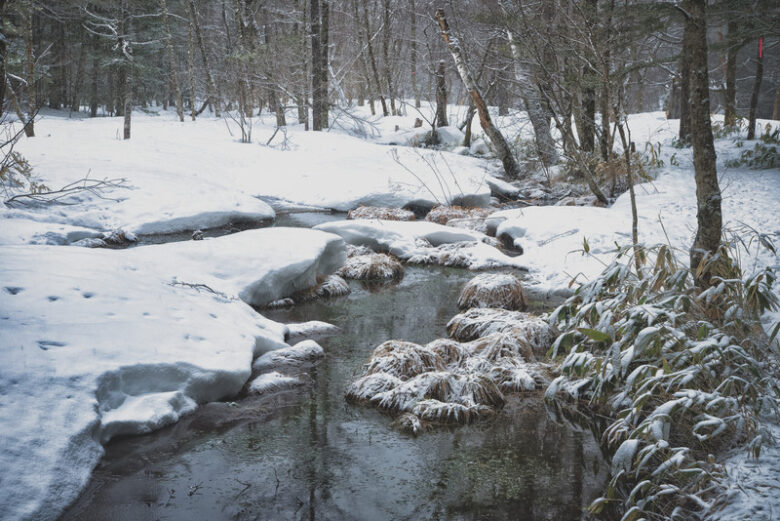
pixel 308 455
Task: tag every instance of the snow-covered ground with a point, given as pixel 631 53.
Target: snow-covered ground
pixel 97 343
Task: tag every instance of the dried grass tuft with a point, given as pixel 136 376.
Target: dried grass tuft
pixel 493 290
pixel 450 351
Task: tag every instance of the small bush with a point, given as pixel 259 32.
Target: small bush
pixel 682 373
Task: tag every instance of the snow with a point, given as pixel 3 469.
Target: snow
pixel 195 175
pixel 273 382
pixel 101 343
pixel 302 353
pixel 421 242
pixel 553 238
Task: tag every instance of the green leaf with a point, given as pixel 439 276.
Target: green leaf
pixel 594 334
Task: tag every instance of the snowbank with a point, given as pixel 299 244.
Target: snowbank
pixel 421 242
pixel 100 343
pixel 195 175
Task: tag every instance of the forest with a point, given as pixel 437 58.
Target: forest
pixel 389 259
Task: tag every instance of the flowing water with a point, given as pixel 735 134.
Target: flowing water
pixel 308 454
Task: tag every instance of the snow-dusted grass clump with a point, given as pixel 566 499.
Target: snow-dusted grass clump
pixel 378 212
pixel 493 290
pixel 372 266
pixel 445 381
pixel 480 322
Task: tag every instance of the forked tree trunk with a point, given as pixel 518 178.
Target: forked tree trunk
pixel 500 145
pixel 708 197
pixel 171 59
pixel 545 145
pixel 756 90
pixel 372 58
pixel 212 86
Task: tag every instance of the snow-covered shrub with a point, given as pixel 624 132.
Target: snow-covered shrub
pixel 403 359
pixel 372 266
pixel 377 212
pixel 763 155
pixel 683 372
pixel 492 290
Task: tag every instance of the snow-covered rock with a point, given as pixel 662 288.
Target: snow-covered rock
pixel 309 330
pixel 293 358
pixel 273 382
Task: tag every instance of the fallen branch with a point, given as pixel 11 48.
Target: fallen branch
pixel 94 186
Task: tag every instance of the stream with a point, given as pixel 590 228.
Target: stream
pixel 308 454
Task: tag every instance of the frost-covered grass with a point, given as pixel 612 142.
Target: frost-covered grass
pixel 683 373
pixel 372 266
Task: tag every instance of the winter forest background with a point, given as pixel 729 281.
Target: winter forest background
pixel 389 259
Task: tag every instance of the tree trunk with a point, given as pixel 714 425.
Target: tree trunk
pixel 191 69
pixel 708 197
pixel 93 94
pixel 441 96
pixel 325 47
pixel 545 145
pixel 730 101
pixel 212 86
pixel 3 79
pixel 125 29
pixel 502 148
pixel 588 90
pixel 685 90
pixel 171 59
pixel 386 56
pixel 58 86
pixel 372 58
pixel 75 101
pixel 776 107
pixel 413 53
pixel 756 90
pixel 316 66
pixel 32 104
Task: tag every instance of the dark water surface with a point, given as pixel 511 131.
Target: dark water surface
pixel 309 455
